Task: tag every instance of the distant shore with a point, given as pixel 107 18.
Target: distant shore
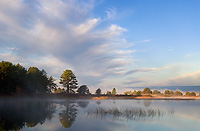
pixel 149 97
pixel 102 97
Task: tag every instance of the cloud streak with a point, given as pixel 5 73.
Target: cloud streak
pixel 143 70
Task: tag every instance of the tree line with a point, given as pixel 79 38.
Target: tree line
pixel 147 91
pixel 17 79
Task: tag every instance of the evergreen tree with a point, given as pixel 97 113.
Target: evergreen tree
pixel 98 91
pixel 68 80
pixel 114 92
pixel 83 89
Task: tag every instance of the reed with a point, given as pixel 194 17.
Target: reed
pixel 126 113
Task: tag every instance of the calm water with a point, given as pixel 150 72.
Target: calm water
pixel 96 115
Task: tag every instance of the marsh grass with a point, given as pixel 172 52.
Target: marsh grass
pixel 126 113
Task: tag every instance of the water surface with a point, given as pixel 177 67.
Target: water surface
pixel 99 115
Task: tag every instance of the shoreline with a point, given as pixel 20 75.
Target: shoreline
pixel 148 98
pixel 94 97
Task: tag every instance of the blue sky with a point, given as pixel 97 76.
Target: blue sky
pixel 107 43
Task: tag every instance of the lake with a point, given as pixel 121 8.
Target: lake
pixel 99 115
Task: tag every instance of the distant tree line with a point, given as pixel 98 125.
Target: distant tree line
pixel 147 91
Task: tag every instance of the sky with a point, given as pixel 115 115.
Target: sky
pixel 106 43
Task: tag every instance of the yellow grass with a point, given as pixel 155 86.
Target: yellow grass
pixel 100 98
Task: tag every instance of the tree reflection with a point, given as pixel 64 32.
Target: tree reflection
pixel 83 104
pixel 98 102
pixel 15 115
pixel 68 115
pixel 147 103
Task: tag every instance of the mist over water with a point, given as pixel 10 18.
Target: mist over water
pixel 59 115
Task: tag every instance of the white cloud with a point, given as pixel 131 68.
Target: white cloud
pixel 111 13
pixel 140 70
pixel 86 27
pixel 115 30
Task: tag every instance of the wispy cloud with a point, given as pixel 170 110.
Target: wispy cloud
pixel 171 49
pixel 185 80
pixel 144 70
pixel 131 82
pixel 144 41
pixel 111 13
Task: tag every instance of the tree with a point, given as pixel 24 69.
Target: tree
pixel 98 91
pixel 171 92
pixel 134 92
pixel 188 93
pixel 7 77
pixel 178 93
pixel 37 80
pixel 16 79
pixel 114 92
pixel 193 94
pixel 108 93
pixel 128 93
pixel 83 89
pixel 167 92
pixel 51 84
pixel 156 92
pixel 20 78
pixel 147 91
pixel 68 80
pixel 138 93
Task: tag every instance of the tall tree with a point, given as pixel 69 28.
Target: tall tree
pixel 6 73
pixel 98 91
pixel 20 77
pixel 114 92
pixel 147 91
pixel 68 80
pixel 37 80
pixel 83 89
